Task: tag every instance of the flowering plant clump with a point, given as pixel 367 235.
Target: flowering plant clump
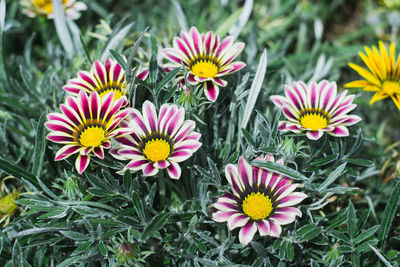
pixel 157 141
pixel 383 76
pixel 316 109
pixel 206 58
pixel 260 200
pixel 85 126
pixel 231 143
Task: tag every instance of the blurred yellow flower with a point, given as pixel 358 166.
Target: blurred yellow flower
pixel 32 8
pixel 382 75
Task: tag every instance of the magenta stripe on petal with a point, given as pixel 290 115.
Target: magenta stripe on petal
pixel 275 229
pixel 99 71
pixel 211 91
pixel 246 234
pixel 81 163
pixel 237 220
pixel 149 170
pixel 60 139
pixel 94 104
pixel 245 172
pixel 221 216
pixel 87 79
pixel 263 227
pixel 116 72
pixel 282 218
pixel 66 152
pixel 136 163
pixel 174 170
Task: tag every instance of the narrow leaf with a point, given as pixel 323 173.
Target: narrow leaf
pixel 255 88
pixel 276 167
pixel 388 214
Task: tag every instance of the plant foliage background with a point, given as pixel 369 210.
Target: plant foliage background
pixel 66 219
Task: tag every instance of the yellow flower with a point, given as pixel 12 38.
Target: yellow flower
pixel 8 206
pixel 382 75
pixel 32 8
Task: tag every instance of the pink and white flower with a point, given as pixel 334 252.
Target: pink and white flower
pixel 260 200
pixel 103 78
pixel 72 8
pixel 158 141
pixel 316 109
pixel 206 58
pixel 85 126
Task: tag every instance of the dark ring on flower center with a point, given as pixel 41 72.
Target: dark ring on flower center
pixel 153 136
pixel 315 111
pixel 114 86
pixel 255 189
pixel 205 58
pixel 89 123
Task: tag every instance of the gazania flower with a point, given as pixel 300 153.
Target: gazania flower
pixel 32 8
pixel 85 126
pixel 206 58
pixel 316 109
pixel 103 78
pixel 260 200
pixel 157 141
pixel 383 76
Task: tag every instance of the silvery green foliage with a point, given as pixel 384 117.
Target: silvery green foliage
pixel 81 220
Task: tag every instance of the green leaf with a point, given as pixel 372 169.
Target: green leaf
pixel 361 162
pixel 153 68
pixel 332 177
pixel 279 168
pixel 168 96
pixel 61 27
pixel 381 257
pixel 75 235
pixel 117 56
pixel 17 172
pixel 17 254
pixel 33 231
pixel 255 88
pixel 82 248
pixel 155 224
pixel 248 137
pixel 351 220
pixel 290 251
pixel 308 232
pixel 170 75
pixel 388 215
pixel 139 207
pixel 131 54
pixel 365 234
pixel 115 41
pixel 103 249
pixel 325 160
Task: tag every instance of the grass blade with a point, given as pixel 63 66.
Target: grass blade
pixel 62 29
pixel 255 88
pixel 388 214
pixel 279 168
pixel 40 146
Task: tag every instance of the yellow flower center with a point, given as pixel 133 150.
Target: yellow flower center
pixel 257 206
pixel 7 203
pixel 391 88
pixel 157 150
pixel 205 69
pixel 46 5
pixel 116 87
pixel 314 121
pixel 92 136
pixel 117 93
